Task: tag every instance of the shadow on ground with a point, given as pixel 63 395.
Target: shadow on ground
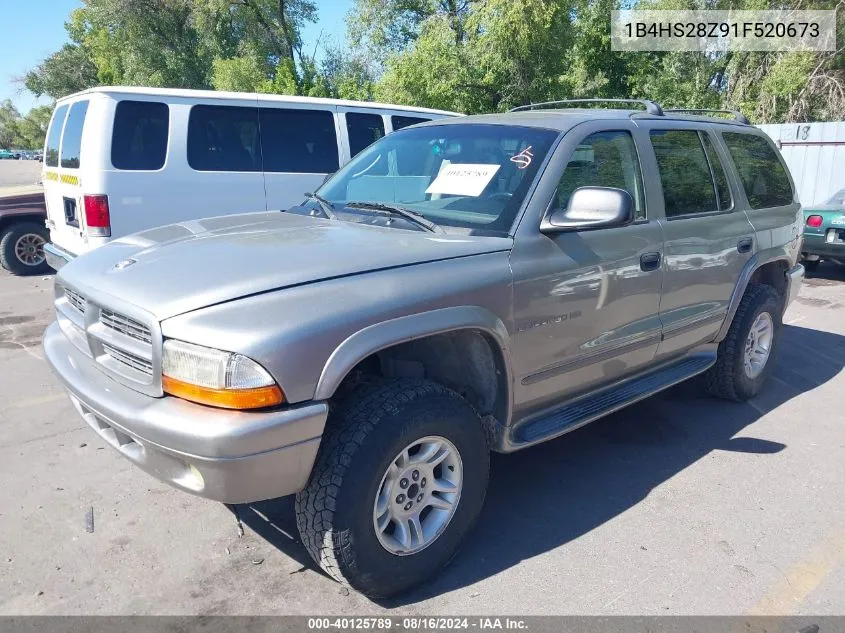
pixel 569 486
pixel 827 274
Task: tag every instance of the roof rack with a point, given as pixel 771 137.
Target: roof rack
pixel 737 115
pixel 650 106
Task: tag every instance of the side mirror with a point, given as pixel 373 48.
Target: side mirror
pixel 591 208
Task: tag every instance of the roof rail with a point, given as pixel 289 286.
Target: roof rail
pixel 650 106
pixel 737 115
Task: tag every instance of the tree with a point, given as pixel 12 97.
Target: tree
pixel 66 71
pixel 9 119
pixel 32 128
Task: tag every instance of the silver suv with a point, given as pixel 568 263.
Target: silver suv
pixel 463 286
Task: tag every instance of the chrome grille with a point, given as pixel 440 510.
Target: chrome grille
pixel 135 362
pixel 125 325
pixel 76 300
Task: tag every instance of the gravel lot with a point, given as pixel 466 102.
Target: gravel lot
pixel 678 505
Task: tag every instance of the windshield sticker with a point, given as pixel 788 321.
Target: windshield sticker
pixel 523 159
pixel 467 179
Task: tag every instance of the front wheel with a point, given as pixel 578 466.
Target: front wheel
pixel 22 249
pixel 746 356
pixel 399 481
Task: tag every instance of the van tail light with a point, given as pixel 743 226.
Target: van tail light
pixel 97 217
pixel 815 221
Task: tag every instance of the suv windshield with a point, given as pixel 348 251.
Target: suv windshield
pixel 465 176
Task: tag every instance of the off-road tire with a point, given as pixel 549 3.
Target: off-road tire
pixel 727 378
pixel 334 513
pixel 811 266
pixel 9 260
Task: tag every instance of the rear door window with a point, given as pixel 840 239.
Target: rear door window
pixel 722 189
pixel 363 130
pixel 298 141
pixel 404 121
pixel 763 176
pixel 688 186
pixel 54 136
pixel 224 138
pixel 72 136
pixel 139 135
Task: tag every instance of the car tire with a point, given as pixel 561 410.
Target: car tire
pixel 15 254
pixel 361 462
pixel 741 367
pixel 811 266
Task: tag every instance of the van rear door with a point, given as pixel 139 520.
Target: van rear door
pixel 62 191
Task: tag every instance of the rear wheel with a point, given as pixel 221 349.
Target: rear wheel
pixel 399 481
pixel 746 356
pixel 22 249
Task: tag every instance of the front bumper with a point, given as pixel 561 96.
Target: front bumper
pixel 228 456
pixel 794 279
pixel 56 257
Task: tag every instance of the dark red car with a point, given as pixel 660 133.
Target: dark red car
pixel 23 234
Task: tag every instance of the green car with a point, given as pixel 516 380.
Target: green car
pixel 5 153
pixel 824 232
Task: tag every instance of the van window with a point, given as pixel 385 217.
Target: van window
pixel 404 121
pixel 223 138
pixel 762 174
pixel 72 135
pixel 688 185
pixel 54 135
pixel 363 130
pixel 298 141
pixel 139 135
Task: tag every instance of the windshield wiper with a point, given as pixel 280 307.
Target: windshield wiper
pixel 325 205
pixel 411 216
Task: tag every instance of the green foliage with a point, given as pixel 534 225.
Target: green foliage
pixel 26 132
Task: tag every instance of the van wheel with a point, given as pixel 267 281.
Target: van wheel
pixel 399 481
pixel 22 249
pixel 746 356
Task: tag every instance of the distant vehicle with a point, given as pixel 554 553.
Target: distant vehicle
pixel 39 156
pixel 120 160
pixel 824 232
pixel 23 234
pixel 6 154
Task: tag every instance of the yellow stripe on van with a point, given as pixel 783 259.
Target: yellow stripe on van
pixel 51 175
pixel 69 179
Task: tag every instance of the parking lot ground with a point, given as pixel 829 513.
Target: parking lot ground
pixel 678 505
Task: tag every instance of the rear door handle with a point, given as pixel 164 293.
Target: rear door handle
pixel 744 245
pixel 649 261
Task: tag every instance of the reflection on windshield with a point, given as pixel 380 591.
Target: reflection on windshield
pixel 838 198
pixel 470 176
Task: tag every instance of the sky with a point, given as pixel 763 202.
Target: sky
pixel 33 29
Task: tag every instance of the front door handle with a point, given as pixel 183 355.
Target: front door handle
pixel 649 261
pixel 744 245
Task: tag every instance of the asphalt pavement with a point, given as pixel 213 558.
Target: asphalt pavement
pixel 681 504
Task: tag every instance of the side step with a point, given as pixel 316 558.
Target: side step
pixel 593 406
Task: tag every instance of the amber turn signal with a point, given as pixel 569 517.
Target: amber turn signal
pixel 256 398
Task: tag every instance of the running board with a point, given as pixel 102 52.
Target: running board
pixel 591 407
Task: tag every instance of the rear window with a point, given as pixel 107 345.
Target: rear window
pixel 404 121
pixel 54 135
pixel 763 176
pixel 223 138
pixel 139 135
pixel 363 130
pixel 72 136
pixel 298 141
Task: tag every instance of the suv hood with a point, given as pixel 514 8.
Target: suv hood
pixel 182 267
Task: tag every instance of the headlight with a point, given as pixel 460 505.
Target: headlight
pixel 217 378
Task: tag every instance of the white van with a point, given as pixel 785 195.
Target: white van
pixel 120 160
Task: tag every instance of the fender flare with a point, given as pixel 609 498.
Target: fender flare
pixel 386 334
pixel 757 261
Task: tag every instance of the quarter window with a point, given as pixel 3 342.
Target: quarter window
pixel 139 135
pixel 298 141
pixel 72 135
pixel 763 176
pixel 54 136
pixel 223 138
pixel 723 192
pixel 404 121
pixel 604 159
pixel 363 130
pixel 688 185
